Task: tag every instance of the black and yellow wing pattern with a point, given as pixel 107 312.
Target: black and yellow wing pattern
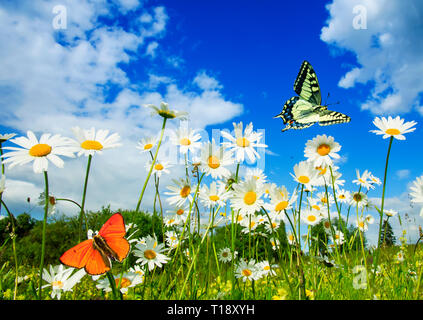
pixel 304 110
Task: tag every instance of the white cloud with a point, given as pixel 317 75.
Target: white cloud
pixel 151 49
pixel 205 82
pixel 402 174
pixel 388 51
pixel 53 80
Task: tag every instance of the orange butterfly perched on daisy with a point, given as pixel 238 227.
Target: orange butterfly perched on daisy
pixel 94 254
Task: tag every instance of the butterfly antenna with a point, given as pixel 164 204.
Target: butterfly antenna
pixel 327 98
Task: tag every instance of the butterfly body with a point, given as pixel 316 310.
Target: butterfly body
pixel 94 254
pixel 306 109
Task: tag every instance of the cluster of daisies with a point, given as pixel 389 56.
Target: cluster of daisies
pixel 257 205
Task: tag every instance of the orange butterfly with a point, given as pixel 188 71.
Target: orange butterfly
pixel 95 254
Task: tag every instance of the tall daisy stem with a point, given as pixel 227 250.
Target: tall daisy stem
pixel 43 244
pixel 82 213
pixel 382 203
pixel 13 236
pixel 152 166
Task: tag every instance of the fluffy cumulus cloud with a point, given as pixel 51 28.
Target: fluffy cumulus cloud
pixel 385 37
pixel 56 78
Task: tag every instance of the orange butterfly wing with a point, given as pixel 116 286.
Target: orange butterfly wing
pixel 96 264
pixel 77 256
pixel 113 232
pixel 84 255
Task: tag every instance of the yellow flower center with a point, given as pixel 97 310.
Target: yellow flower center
pixel 303 179
pixel 291 237
pixel 392 132
pixel 91 145
pixel 180 212
pixel 322 171
pixel 323 149
pixel 361 224
pixel 266 268
pixel 148 146
pixel 158 167
pixel 327 224
pixel 246 272
pixel 239 218
pixel 281 206
pixel 124 283
pixel 40 150
pixel 341 196
pixel 224 254
pixel 185 142
pixel 214 198
pixel 316 207
pixel 357 197
pixel 324 200
pixel 57 284
pixel 252 224
pixel 171 221
pixel 242 142
pixel 213 162
pixel 149 254
pixel 311 218
pixel 250 198
pixel 185 191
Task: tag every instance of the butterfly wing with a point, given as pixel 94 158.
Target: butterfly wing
pixel 78 256
pixel 328 117
pixel 113 232
pixel 306 85
pixel 298 113
pixel 97 263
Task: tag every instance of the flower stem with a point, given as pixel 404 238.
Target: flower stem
pixel 82 213
pixel 43 244
pixel 13 236
pixel 152 166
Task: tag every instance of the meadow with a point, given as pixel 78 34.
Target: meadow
pixel 228 235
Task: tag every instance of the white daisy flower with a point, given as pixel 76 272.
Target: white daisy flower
pixel 146 144
pixel 280 201
pixel 160 167
pixel 321 149
pixel 359 199
pixel 275 243
pixel 225 255
pixel 417 192
pixel 170 221
pixel 257 174
pixel 393 127
pixel 269 188
pixel 400 256
pixel 338 237
pixel 343 196
pixel 88 142
pixel 324 199
pixel 150 253
pixel 369 219
pixel 327 226
pixel 172 239
pixel 364 180
pixel 60 280
pixel 214 161
pixel 244 142
pixel 310 217
pixel 129 280
pixel 271 226
pixel 247 196
pixel 305 173
pixel 179 214
pixel 361 224
pixel 390 213
pixel 214 196
pixel 6 136
pixel 250 223
pixel 186 139
pixel 265 269
pixel 48 148
pixel 247 271
pixel 180 193
pixel 291 238
pixel 165 112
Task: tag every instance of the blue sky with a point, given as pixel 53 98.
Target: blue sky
pixel 223 61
